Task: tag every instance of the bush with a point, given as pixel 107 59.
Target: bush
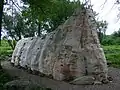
pixel 110 40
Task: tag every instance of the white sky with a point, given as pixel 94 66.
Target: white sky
pixel 108 12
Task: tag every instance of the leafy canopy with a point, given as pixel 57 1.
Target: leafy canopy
pixel 49 13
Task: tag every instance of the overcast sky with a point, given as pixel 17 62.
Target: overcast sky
pixel 108 11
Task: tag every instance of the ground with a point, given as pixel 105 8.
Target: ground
pixel 60 85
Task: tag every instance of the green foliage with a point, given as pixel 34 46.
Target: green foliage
pixel 38 16
pixel 113 39
pixel 110 40
pixel 49 13
pixel 5 50
pixel 101 29
pixel 112 53
pixel 18 26
pixel 116 33
pixel 112 48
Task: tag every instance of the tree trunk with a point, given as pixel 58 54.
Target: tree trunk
pixel 39 27
pixel 1 12
pixel 0 66
pixel 10 44
pixel 19 34
pixel 100 36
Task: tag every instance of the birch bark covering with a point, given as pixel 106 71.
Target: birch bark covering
pixel 71 51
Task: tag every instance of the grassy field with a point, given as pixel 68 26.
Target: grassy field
pixel 5 50
pixel 112 54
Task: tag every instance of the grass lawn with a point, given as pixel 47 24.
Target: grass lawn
pixel 5 50
pixel 112 54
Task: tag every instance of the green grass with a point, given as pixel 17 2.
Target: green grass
pixel 112 54
pixel 5 50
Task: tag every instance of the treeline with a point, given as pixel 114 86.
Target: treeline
pixel 113 39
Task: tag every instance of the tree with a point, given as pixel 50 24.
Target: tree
pixel 37 19
pixel 18 26
pixel 101 29
pixel 113 39
pixel 116 33
pixel 49 14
